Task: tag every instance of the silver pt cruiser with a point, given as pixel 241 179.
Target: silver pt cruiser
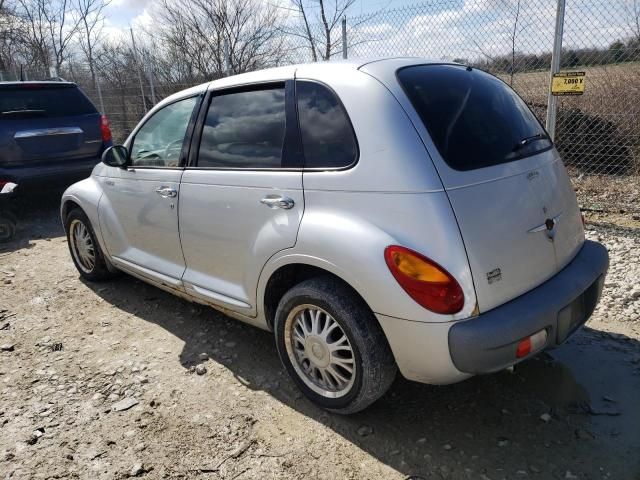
pixel 377 216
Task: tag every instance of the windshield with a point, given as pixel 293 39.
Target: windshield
pixel 474 119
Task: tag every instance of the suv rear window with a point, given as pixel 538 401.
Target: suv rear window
pixel 36 100
pixel 474 119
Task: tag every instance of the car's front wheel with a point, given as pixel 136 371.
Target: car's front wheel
pixel 85 250
pixel 332 345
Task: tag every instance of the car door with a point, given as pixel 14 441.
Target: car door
pixel 139 209
pixel 241 196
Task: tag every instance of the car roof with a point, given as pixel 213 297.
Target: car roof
pixel 27 83
pixel 275 74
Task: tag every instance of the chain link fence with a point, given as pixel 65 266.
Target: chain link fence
pixel 597 133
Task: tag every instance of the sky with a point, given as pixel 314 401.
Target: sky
pixel 448 29
pixel 122 13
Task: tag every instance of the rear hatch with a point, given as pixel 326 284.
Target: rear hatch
pixel 47 123
pixel 509 190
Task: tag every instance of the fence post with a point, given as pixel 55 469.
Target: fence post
pixel 135 54
pixel 227 58
pixel 151 85
pixel 552 105
pixel 344 37
pixel 100 96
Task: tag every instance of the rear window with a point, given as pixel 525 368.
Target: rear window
pixel 474 119
pixel 43 101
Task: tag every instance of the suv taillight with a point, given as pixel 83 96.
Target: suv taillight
pixel 105 129
pixel 424 280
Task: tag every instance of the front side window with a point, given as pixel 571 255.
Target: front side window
pixel 159 141
pixel 327 137
pixel 244 130
pixel 474 119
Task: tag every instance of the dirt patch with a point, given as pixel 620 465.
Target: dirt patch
pixel 98 381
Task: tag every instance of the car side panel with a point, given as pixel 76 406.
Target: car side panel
pixel 350 243
pixel 139 226
pixel 228 235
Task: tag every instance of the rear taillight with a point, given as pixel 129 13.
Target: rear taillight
pixel 424 280
pixel 105 129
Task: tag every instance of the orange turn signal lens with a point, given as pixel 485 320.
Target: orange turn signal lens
pixel 424 280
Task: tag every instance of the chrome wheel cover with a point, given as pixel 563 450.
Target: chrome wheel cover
pixel 320 351
pixel 82 246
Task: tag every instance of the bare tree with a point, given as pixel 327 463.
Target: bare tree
pixel 211 38
pixel 115 61
pixel 91 22
pixel 632 9
pixel 9 35
pixel 323 42
pixel 51 26
pixel 512 28
pixel 514 36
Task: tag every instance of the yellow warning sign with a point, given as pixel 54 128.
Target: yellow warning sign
pixel 567 83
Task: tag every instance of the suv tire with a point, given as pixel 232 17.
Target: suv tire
pixel 8 224
pixel 84 247
pixel 332 345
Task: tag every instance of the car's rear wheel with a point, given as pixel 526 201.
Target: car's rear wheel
pixel 85 250
pixel 332 346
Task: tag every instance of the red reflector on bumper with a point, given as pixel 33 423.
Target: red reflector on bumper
pixel 524 348
pixel 531 344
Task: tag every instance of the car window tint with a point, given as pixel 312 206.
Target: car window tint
pixel 327 136
pixel 159 141
pixel 474 119
pixel 36 100
pixel 244 130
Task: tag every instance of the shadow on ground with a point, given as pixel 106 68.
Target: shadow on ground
pixel 38 217
pixel 492 424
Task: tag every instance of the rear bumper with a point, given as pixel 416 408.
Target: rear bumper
pixel 47 177
pixel 488 343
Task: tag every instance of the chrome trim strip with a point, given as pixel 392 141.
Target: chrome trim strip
pixel 44 132
pixel 214 296
pixel 146 272
pixel 543 227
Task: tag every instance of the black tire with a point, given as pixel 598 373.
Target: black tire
pixel 99 271
pixel 8 224
pixel 375 367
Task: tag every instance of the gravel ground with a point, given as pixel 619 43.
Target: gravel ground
pixel 119 379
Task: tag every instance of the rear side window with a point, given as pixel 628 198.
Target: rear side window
pixel 327 137
pixel 474 119
pixel 33 100
pixel 244 130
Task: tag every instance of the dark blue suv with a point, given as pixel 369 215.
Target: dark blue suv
pixel 51 135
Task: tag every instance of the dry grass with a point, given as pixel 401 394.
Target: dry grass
pixel 607 193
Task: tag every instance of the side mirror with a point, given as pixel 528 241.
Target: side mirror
pixel 116 156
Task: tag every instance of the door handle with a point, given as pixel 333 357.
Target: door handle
pixel 276 201
pixel 166 192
